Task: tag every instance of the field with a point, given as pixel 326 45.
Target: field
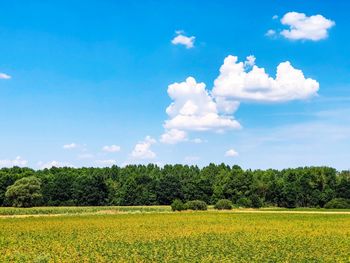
pixel 155 234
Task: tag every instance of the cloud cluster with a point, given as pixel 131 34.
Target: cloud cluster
pixel 306 27
pixel 303 27
pixel 181 39
pixel 142 149
pixel 18 161
pixel 194 108
pixel 236 83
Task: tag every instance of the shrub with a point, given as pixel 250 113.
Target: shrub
pixel 178 205
pixel 256 201
pixel 244 202
pixel 223 204
pixel 338 203
pixel 196 205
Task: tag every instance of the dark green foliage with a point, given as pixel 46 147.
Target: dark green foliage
pixel 244 202
pixel 152 185
pixel 338 203
pixel 169 189
pixel 25 192
pixel 90 190
pixel 178 205
pixel 223 204
pixel 343 186
pixel 196 205
pixel 256 201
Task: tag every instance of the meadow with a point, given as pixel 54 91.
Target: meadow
pixel 157 235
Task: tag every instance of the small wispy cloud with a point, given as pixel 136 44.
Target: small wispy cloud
pixel 181 39
pixel 270 33
pixel 173 136
pixel 105 163
pixel 111 148
pixel 4 76
pixel 70 146
pixel 18 161
pixel 50 164
pixel 142 149
pixel 231 153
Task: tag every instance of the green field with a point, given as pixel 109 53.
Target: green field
pixel 146 236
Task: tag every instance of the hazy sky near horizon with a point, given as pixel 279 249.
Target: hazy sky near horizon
pixel 261 84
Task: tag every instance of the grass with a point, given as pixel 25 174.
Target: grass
pixel 79 209
pixel 177 237
pixel 69 210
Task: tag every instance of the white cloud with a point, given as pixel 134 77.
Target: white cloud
pixel 181 39
pixel 306 27
pixel 106 162
pixel 142 149
pixel 270 33
pixel 51 164
pixel 227 106
pixel 193 108
pixel 237 83
pixel 111 148
pixel 173 136
pixel 4 76
pixel 275 17
pixel 250 61
pixel 70 146
pixel 18 161
pixel 231 153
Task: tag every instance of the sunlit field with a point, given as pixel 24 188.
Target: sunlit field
pixel 163 236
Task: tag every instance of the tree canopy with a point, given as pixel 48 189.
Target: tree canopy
pixel 153 185
pixel 25 192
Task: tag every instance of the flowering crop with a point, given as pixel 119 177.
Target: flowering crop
pixel 177 237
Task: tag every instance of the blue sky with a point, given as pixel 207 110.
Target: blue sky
pixel 85 83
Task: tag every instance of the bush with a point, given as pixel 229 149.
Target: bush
pixel 196 205
pixel 244 202
pixel 338 203
pixel 223 204
pixel 178 205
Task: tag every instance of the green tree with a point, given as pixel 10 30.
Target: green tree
pixel 90 189
pixel 169 189
pixel 25 192
pixel 343 185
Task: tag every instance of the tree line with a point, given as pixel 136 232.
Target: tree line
pixel 154 185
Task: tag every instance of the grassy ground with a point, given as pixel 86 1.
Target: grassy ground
pixel 177 237
pixel 79 209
